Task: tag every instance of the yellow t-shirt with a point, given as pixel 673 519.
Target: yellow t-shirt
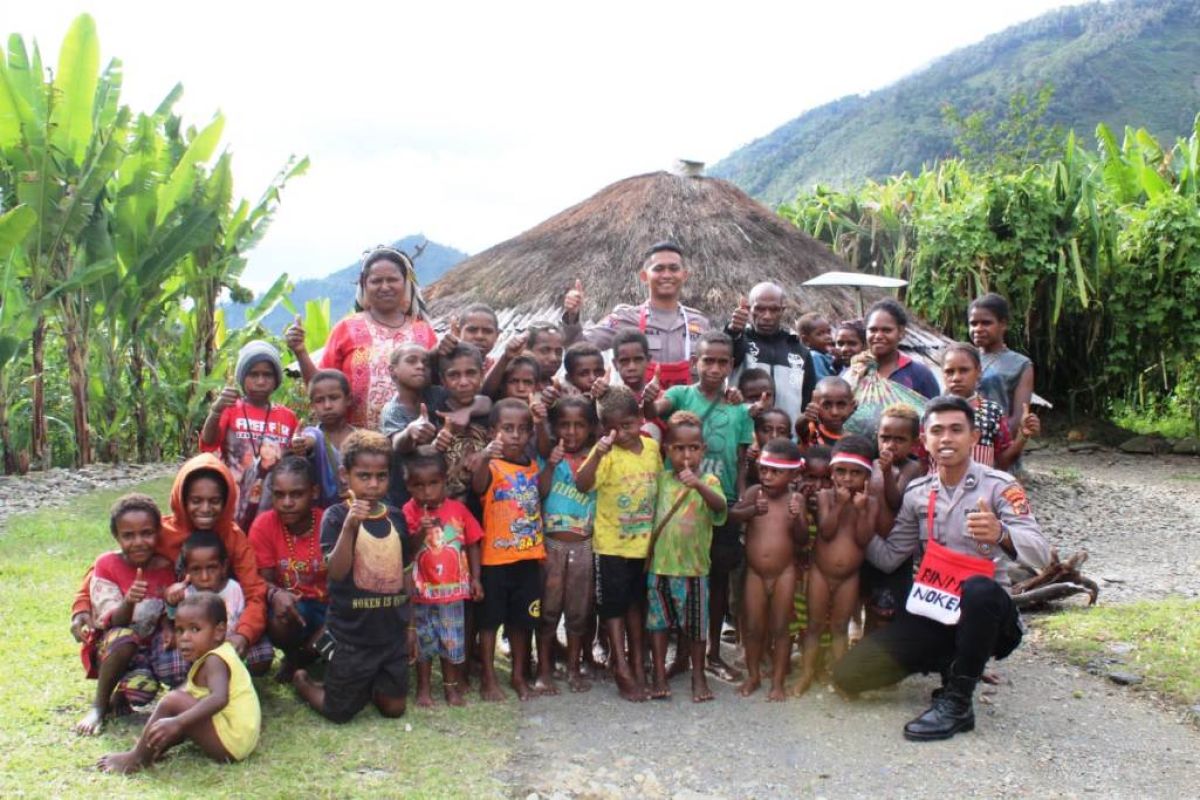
pixel 239 722
pixel 626 486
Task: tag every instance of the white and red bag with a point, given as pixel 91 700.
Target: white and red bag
pixel 937 588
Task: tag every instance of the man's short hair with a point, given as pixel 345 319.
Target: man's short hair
pixel 948 402
pixel 665 246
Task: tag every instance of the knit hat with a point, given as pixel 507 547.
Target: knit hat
pixel 257 352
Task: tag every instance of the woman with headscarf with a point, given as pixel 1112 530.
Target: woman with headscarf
pixel 389 312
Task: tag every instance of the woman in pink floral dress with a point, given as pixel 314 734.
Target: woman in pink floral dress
pixel 390 313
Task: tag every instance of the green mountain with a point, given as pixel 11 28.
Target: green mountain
pixel 432 262
pixel 1128 62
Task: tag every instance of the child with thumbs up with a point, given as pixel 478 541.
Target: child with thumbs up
pixel 962 368
pixel 126 589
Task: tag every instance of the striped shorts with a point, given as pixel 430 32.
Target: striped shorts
pixel 678 601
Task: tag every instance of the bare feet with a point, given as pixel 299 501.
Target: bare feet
pixel 578 683
pixel 716 666
pixel 454 695
pixel 661 690
pixel 630 689
pixel 91 723
pixel 546 686
pixel 522 689
pixel 750 685
pixel 123 763
pixel 286 670
pixel 490 691
pixel 803 684
pixel 700 691
pixel 424 697
pixel 678 666
pixel 777 694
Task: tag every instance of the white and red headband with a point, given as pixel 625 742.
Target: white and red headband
pixel 852 459
pixel 778 462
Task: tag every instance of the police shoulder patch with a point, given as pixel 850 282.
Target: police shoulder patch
pixel 1015 495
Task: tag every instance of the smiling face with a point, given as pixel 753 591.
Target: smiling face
pixel 329 401
pixel 587 370
pixel 573 429
pixel 883 334
pixel 685 447
pixel 664 275
pixel 410 367
pixel 204 569
pixel 367 477
pixel 514 427
pixel 480 330
pixel 987 331
pixel 195 635
pixel 462 378
pixel 714 363
pixel 292 496
pixel 259 383
pixel 136 535
pixel 628 428
pixel 846 344
pixel 203 503
pixel 949 437
pixel 961 373
pixel 384 288
pixel 631 360
pixel 427 485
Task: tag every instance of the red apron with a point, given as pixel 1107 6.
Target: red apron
pixel 937 588
pixel 675 373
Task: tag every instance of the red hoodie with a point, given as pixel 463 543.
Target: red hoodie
pixel 177 527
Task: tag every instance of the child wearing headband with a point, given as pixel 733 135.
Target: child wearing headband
pixel 776 526
pixel 846 517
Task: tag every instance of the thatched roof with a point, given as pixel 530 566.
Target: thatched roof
pixel 731 242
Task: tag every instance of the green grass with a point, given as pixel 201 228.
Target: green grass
pixel 1165 635
pixel 1170 421
pixel 448 753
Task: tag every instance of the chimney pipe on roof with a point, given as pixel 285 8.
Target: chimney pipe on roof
pixel 688 169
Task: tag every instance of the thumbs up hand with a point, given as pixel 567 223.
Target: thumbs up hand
pixel 600 385
pixel 741 316
pixel 653 389
pixel 983 525
pixel 137 589
pixel 573 302
pixel 1031 426
pixel 294 336
pixel 421 430
pixel 605 444
pixel 451 339
pixel 762 404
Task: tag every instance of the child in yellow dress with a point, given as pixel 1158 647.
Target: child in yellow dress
pixel 216 708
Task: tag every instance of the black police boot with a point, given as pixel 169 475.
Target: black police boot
pixel 952 712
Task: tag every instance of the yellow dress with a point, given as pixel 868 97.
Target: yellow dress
pixel 239 722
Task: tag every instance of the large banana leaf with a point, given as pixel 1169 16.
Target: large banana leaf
pixel 75 88
pixel 183 177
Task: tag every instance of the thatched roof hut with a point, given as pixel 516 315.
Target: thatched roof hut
pixel 730 243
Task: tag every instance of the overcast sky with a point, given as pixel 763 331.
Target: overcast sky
pixel 471 122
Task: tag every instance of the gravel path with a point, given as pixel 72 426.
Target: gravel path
pixel 1049 730
pixel 56 487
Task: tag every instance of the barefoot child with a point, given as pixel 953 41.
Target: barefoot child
pixel 367 551
pixel 287 544
pixel 217 708
pixel 623 468
pixel 772 423
pixel 631 357
pixel 445 575
pixel 813 478
pixel 567 572
pixel 832 404
pixel 845 524
pixel 777 526
pixel 506 480
pixel 126 588
pixel 689 505
pixel 329 398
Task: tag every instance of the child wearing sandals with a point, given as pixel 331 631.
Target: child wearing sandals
pixel 217 708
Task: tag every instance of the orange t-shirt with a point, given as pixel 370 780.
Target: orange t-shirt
pixel 512 514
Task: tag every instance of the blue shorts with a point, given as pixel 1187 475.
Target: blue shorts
pixel 441 631
pixel 678 601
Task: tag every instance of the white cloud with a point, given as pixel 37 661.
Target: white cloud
pixel 470 121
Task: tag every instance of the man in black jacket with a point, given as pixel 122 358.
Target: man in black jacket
pixel 761 340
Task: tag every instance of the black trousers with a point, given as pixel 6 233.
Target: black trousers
pixel 988 626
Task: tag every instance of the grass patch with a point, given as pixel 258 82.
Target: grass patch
pixel 1169 419
pixel 1165 635
pixel 448 752
pixel 1066 474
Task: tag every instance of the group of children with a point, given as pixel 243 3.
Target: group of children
pixel 548 487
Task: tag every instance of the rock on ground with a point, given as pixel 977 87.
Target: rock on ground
pixel 55 487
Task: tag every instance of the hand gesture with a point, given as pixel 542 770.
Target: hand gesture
pixel 982 525
pixel 358 511
pixel 137 590
pixel 515 345
pixel 605 444
pixel 294 336
pixel 762 404
pixel 163 732
pixel 494 449
pixel 688 478
pixel 761 506
pixel 741 316
pixel 443 440
pixel 860 500
pixel 601 384
pixel 537 410
pixel 841 496
pixel 228 396
pixel 812 413
pixel 573 302
pixel 421 430
pixel 283 607
pixel 753 452
pixel 177 591
pixel 302 444
pixel 558 453
pixel 451 339
pixel 733 396
pixel 886 458
pixel 1031 426
pixel 653 389
pixel 795 504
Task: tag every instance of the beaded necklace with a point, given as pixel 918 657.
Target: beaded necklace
pixel 291 576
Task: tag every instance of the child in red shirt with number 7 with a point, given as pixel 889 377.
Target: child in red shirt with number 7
pixel 846 517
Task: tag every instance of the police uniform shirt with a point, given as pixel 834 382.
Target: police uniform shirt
pixel 1003 495
pixel 665 330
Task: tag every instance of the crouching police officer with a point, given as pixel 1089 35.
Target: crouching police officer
pixel 967 523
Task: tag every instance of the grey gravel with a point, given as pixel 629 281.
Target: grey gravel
pixel 56 487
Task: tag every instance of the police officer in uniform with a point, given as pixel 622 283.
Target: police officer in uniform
pixel 671 328
pixel 971 511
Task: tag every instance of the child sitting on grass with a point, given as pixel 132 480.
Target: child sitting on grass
pixel 623 468
pixel 367 552
pixel 445 575
pixel 568 571
pixel 777 527
pixel 846 517
pixel 126 588
pixel 287 544
pixel 832 404
pixel 217 708
pixel 690 503
pixel 506 479
pixel 329 399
